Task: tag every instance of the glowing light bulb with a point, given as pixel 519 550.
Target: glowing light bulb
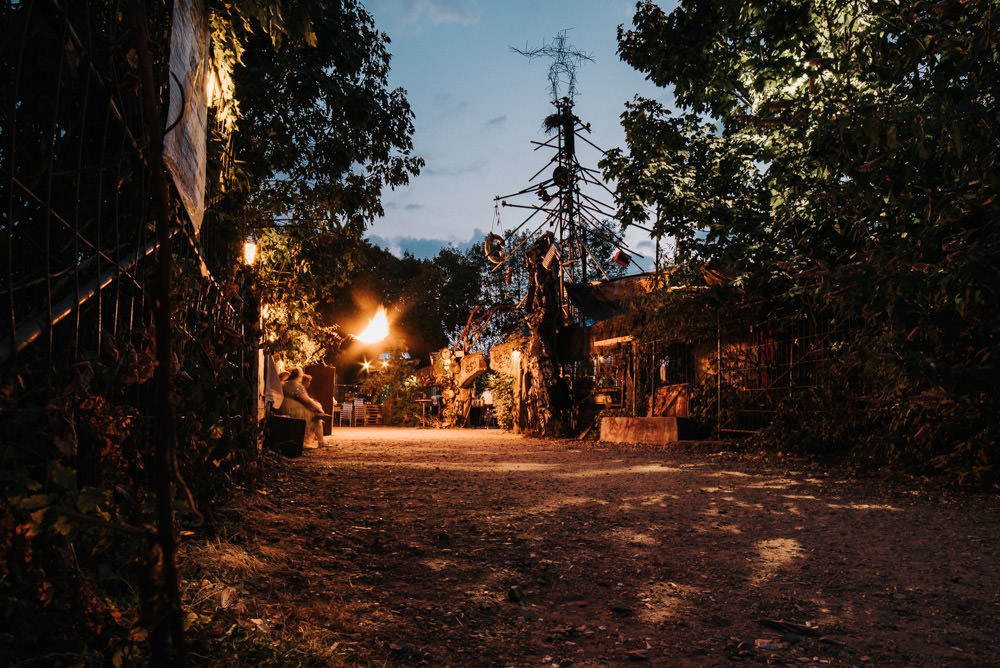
pixel 249 252
pixel 377 329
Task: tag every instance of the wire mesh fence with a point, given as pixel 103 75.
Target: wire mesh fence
pixel 80 412
pixel 75 196
pixel 75 188
pixel 766 356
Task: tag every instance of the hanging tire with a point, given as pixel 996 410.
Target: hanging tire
pixel 494 247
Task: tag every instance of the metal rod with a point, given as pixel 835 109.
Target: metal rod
pixel 31 330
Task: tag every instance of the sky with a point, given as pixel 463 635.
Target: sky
pixel 478 105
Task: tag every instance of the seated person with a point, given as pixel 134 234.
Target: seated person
pixel 298 404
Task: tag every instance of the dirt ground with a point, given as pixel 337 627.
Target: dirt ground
pixel 479 548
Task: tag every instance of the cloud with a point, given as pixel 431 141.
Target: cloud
pixel 448 106
pixel 412 14
pixel 495 122
pixel 464 12
pixel 424 247
pixel 473 167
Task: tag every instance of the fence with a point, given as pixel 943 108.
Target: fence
pixel 79 282
pixel 737 366
pixel 76 198
pixel 765 356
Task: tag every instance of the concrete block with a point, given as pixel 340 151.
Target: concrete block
pixel 654 430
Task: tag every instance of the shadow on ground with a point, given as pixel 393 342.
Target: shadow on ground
pixel 476 547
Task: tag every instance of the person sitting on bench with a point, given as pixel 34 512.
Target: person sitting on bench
pixel 298 404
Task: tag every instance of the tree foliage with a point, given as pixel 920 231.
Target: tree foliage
pixel 317 137
pixel 392 383
pixel 314 305
pixel 845 153
pixel 320 134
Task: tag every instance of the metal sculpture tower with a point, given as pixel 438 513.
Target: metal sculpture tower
pixel 565 205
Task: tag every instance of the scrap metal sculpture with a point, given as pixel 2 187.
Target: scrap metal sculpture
pixel 570 221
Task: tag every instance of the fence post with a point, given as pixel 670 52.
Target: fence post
pixel 167 632
pixel 718 375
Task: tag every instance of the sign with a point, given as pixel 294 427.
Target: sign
pixel 185 143
pixel 500 358
pixel 473 366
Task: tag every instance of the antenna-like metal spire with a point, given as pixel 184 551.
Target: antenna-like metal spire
pixel 565 59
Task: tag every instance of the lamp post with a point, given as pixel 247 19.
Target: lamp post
pixel 249 258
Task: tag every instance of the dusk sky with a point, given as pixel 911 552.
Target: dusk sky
pixel 479 105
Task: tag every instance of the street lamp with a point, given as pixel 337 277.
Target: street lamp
pixel 377 329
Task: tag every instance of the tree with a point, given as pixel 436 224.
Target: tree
pixel 853 159
pixel 317 138
pixel 320 134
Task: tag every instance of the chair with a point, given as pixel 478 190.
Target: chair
pixel 359 411
pixel 347 414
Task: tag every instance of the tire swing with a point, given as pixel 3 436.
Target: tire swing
pixel 494 248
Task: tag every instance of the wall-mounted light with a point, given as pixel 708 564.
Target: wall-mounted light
pixel 249 252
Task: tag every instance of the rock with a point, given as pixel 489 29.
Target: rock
pixel 620 608
pixel 637 655
pixel 770 645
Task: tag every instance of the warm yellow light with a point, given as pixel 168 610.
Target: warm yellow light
pixel 385 363
pixel 212 88
pixel 377 329
pixel 249 252
pixel 366 365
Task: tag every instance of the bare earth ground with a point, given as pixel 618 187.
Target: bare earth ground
pixel 479 548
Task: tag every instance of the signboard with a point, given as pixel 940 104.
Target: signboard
pixel 500 358
pixel 473 366
pixel 185 143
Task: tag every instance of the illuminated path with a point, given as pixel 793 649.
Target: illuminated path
pixel 481 548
